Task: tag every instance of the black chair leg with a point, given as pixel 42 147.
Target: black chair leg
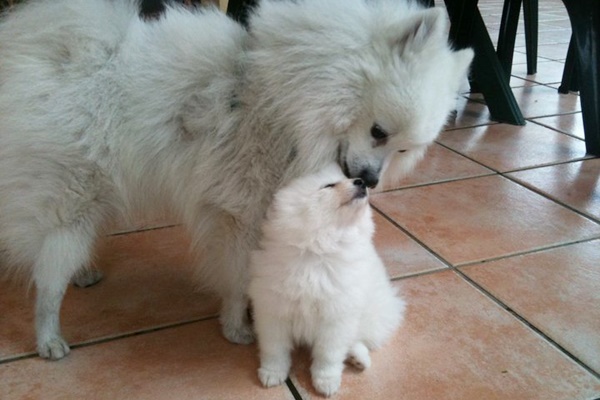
pixel 585 23
pixel 468 29
pixel 569 81
pixel 239 10
pixel 507 34
pixel 427 3
pixel 530 15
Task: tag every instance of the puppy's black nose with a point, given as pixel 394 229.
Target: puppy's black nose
pixel 360 188
pixel 360 183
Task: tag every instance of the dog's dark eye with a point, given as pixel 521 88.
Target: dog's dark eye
pixel 401 151
pixel 378 133
pixel 329 186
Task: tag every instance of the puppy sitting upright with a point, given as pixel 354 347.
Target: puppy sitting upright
pixel 317 280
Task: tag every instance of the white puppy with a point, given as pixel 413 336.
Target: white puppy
pixel 317 280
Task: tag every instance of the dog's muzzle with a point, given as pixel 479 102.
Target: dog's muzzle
pixel 369 177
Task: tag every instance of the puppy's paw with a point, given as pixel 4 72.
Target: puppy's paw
pixel 358 357
pixel 240 335
pixel 53 349
pixel 327 384
pixel 358 363
pixel 269 377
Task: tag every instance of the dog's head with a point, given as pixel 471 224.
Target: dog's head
pixel 360 82
pixel 320 208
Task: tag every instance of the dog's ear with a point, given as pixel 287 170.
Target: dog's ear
pixel 428 26
pixel 462 62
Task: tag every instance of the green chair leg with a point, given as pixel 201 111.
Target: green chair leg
pixel 467 29
pixel 585 24
pixel 530 15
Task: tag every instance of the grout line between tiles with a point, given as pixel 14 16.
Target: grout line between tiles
pixel 524 321
pixel 418 185
pixel 418 274
pixel 526 252
pixel 533 120
pixel 556 201
pixel 488 294
pixel 292 388
pixel 112 338
pixel 505 175
pixel 129 232
pixel 549 164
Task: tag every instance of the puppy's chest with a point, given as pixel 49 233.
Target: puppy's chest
pixel 320 293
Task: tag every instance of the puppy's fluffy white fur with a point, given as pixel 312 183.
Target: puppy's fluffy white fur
pixel 105 115
pixel 317 280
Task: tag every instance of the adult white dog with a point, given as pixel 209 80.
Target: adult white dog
pixel 104 115
pixel 317 280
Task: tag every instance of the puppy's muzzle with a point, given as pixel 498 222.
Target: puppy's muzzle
pixel 360 188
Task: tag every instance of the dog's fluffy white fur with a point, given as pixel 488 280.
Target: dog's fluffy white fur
pixel 317 280
pixel 104 115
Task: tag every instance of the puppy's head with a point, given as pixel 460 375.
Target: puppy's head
pixel 320 208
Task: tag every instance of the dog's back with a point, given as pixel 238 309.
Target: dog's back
pixel 92 100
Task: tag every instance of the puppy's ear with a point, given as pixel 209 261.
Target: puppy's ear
pixel 426 27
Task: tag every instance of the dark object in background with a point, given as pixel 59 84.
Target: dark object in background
pixel 236 9
pixel 153 8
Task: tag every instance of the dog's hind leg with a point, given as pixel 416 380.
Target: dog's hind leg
pixel 64 251
pixel 87 277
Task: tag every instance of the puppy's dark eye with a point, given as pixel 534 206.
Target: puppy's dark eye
pixel 378 133
pixel 329 186
pixel 401 151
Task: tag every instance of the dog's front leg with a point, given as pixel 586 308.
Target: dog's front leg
pixel 225 247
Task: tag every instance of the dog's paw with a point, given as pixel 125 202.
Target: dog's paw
pixel 327 384
pixel 270 378
pixel 240 335
pixel 87 277
pixel 53 349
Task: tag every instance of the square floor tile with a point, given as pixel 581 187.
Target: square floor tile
pixel 186 362
pixel 571 124
pixel 439 165
pixel 504 147
pixel 455 344
pixel 401 255
pixel 576 184
pixel 547 72
pixel 557 290
pixel 551 37
pixel 147 283
pixel 482 218
pixel 541 101
pixel 516 82
pixel 553 51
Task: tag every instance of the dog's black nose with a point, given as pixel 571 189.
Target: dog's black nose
pixel 370 178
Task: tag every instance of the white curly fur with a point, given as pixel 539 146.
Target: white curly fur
pixel 104 115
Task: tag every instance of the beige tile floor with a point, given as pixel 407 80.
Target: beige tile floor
pixel 494 242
